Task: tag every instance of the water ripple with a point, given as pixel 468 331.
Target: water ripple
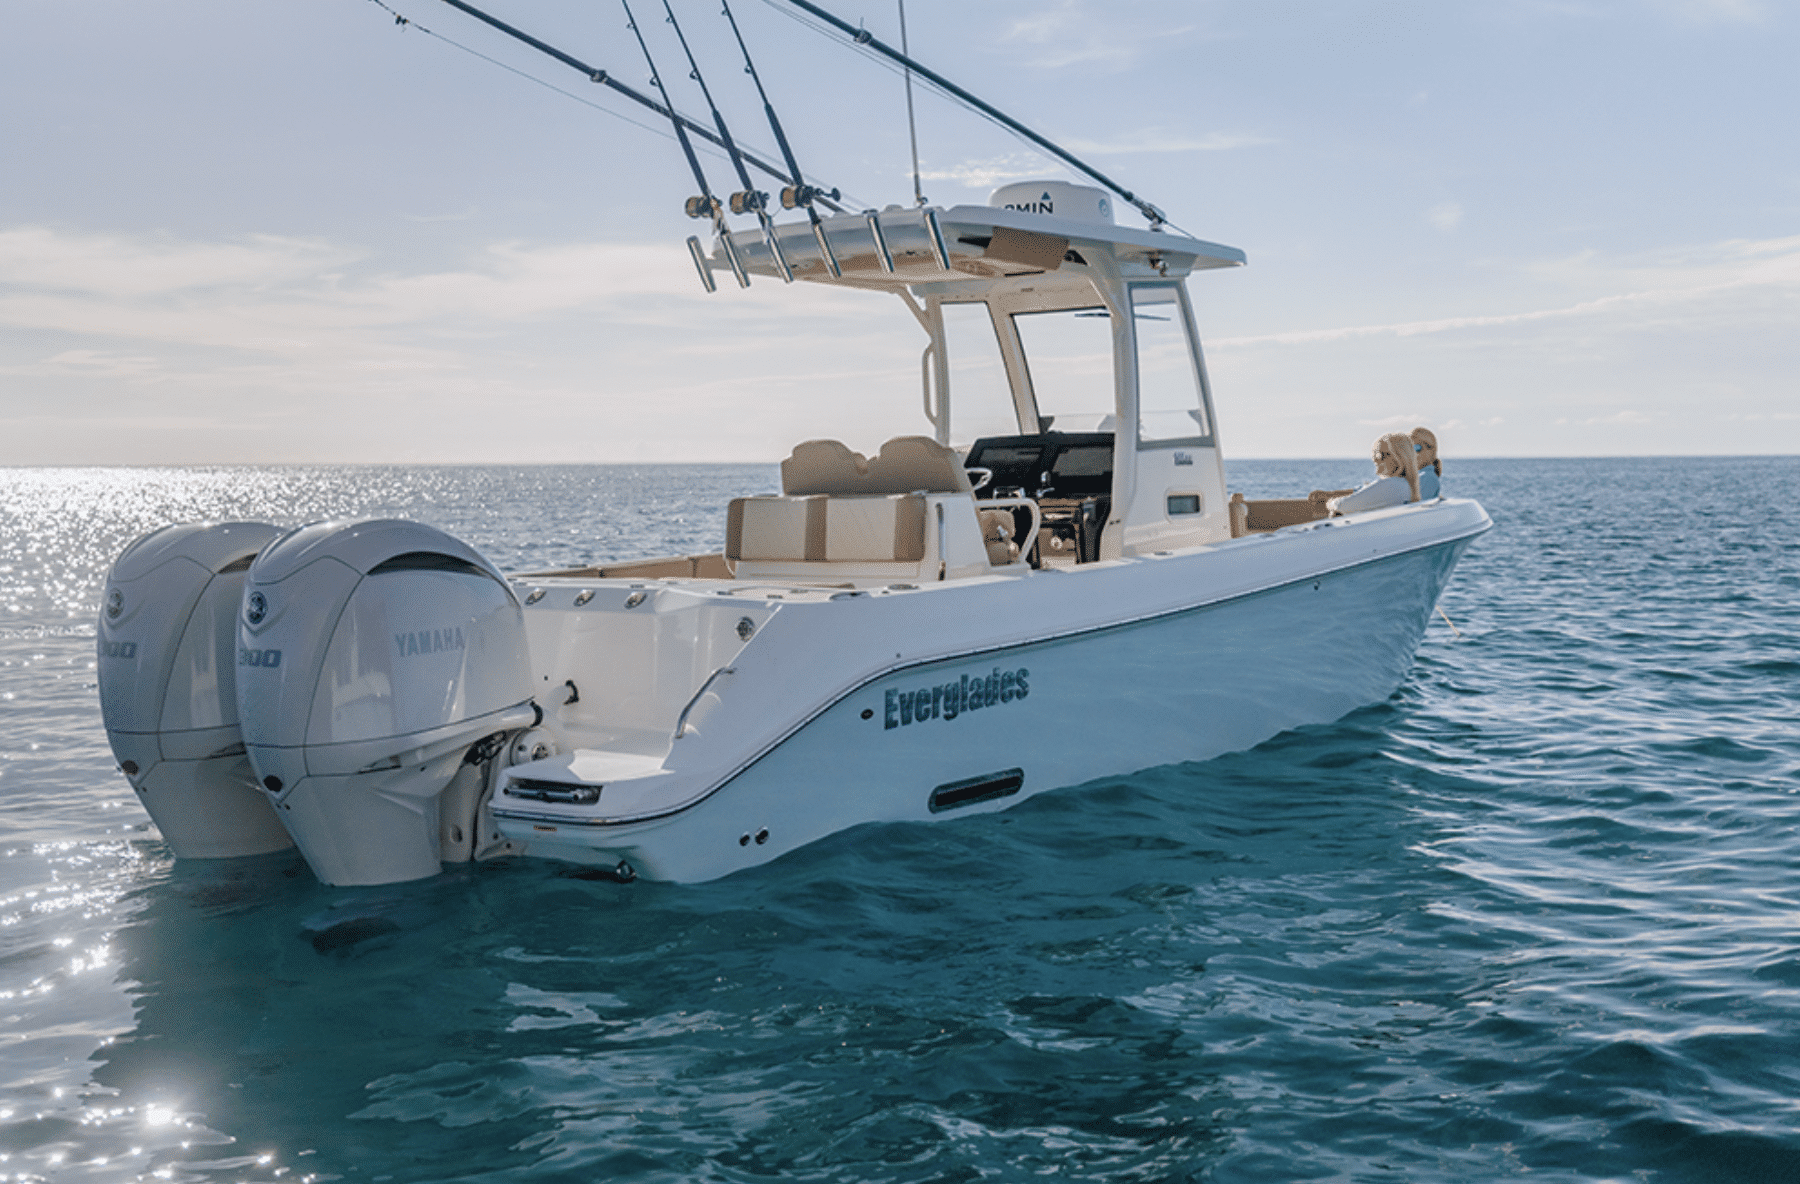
pixel 1532 916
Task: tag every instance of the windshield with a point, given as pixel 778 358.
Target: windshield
pixel 1069 356
pixel 980 400
pixel 1170 408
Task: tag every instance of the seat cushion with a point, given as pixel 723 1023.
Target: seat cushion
pixel 905 464
pixel 778 528
pixel 875 529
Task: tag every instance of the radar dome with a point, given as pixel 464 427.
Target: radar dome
pixel 1059 199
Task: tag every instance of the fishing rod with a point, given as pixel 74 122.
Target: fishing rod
pixel 799 193
pixel 749 199
pixel 705 204
pixel 864 37
pixel 607 80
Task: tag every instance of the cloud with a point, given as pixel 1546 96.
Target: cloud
pixel 459 216
pixel 1446 216
pixel 1032 166
pixel 1694 12
pixel 40 258
pixel 1655 285
pixel 1714 12
pixel 266 350
pixel 1059 29
pixel 95 362
pixel 1157 141
pixel 286 297
pixel 1071 33
pixel 997 170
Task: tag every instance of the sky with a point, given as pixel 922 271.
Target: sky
pixel 250 231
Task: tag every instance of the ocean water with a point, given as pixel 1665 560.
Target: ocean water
pixel 1537 915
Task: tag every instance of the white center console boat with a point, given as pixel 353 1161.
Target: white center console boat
pixel 932 631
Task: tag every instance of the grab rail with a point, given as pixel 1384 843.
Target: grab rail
pixel 1028 540
pixel 681 720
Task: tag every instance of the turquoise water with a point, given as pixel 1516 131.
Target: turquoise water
pixel 1536 915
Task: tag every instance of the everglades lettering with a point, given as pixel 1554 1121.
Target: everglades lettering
pixel 948 700
pixel 428 641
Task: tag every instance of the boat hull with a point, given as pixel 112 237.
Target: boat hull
pixel 916 743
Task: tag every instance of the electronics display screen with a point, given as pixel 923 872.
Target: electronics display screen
pixel 1005 457
pixel 1086 460
pixel 1080 465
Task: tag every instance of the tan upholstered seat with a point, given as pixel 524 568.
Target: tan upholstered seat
pixel 868 518
pixel 1257 517
pixel 905 464
pixel 775 528
pixel 826 529
pixel 875 529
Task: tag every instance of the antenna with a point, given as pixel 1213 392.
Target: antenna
pixel 912 129
pixel 799 193
pixel 705 204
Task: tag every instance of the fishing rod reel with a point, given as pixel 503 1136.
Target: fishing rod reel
pixel 749 201
pixel 795 197
pixel 703 206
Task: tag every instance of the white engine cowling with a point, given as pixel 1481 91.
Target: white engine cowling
pixel 167 662
pixel 382 666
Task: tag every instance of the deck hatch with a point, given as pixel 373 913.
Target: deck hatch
pixel 976 789
pixel 553 791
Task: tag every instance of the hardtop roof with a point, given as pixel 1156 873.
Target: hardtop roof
pixel 989 248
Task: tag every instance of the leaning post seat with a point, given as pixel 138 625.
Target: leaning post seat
pixel 905 513
pixel 905 464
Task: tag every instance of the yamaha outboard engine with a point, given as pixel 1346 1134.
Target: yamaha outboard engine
pixel 383 667
pixel 168 687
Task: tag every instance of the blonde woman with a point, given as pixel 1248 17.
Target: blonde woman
pixel 1407 469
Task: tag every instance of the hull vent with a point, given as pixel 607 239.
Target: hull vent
pixel 976 789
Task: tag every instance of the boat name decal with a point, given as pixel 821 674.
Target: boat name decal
pixel 948 700
pixel 268 659
pixel 118 649
pixel 429 641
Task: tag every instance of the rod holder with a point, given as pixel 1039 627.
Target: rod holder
pixel 881 247
pixel 825 251
pixel 935 233
pixel 775 251
pixel 699 254
pixel 731 257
